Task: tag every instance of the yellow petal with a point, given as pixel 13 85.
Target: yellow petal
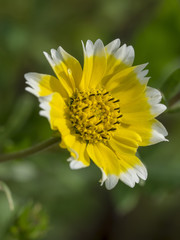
pixel 125 141
pixel 94 64
pixel 78 151
pixel 125 85
pixel 104 158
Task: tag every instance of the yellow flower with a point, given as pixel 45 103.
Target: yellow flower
pixel 103 112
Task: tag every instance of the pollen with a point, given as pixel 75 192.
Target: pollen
pixel 95 115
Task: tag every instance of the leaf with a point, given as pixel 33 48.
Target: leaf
pixel 171 87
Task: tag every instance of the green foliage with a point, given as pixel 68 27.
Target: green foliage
pixel 171 91
pixel 30 223
pixel 171 87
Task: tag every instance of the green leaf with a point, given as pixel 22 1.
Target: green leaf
pixel 171 87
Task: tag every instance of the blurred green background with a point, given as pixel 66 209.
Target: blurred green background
pixel 53 202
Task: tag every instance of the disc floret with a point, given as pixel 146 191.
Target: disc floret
pixel 94 115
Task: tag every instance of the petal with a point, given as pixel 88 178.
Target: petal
pixel 140 111
pixel 141 73
pixel 111 181
pixel 125 54
pixel 157 109
pixel 125 85
pixel 125 149
pixel 126 167
pixel 54 109
pixel 136 111
pixel 135 170
pixel 159 133
pixel 73 64
pixel 94 64
pixel 118 57
pixel 79 157
pixel 154 96
pixel 125 142
pixel 113 46
pixel 43 85
pixel 66 67
pixel 151 131
pixel 104 158
pixel 137 165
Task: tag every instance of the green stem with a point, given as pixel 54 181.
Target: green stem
pixel 7 192
pixel 32 150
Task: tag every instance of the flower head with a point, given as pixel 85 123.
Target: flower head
pixel 103 112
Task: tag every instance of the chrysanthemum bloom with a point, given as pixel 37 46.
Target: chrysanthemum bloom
pixel 103 112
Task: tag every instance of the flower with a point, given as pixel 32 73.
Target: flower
pixel 103 112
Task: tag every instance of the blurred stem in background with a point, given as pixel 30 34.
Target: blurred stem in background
pixel 6 190
pixel 32 150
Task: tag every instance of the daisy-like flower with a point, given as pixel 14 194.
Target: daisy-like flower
pixel 103 112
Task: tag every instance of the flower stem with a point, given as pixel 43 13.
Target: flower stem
pixel 32 150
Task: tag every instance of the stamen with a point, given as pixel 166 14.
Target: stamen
pixel 112 129
pixel 101 132
pixel 116 122
pixel 104 137
pixel 98 124
pixel 84 108
pixel 91 117
pixel 116 101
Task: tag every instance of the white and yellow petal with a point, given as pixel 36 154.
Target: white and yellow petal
pixel 54 109
pixel 127 168
pixel 79 156
pixel 43 85
pixel 66 67
pixel 118 57
pixel 134 170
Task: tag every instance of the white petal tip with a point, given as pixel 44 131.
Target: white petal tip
pixel 112 47
pixel 32 91
pixel 104 177
pixel 111 182
pixel 51 62
pixel 157 109
pixel 74 164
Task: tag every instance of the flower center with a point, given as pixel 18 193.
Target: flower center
pixel 95 115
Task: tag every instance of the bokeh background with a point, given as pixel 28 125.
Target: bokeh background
pixel 51 201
